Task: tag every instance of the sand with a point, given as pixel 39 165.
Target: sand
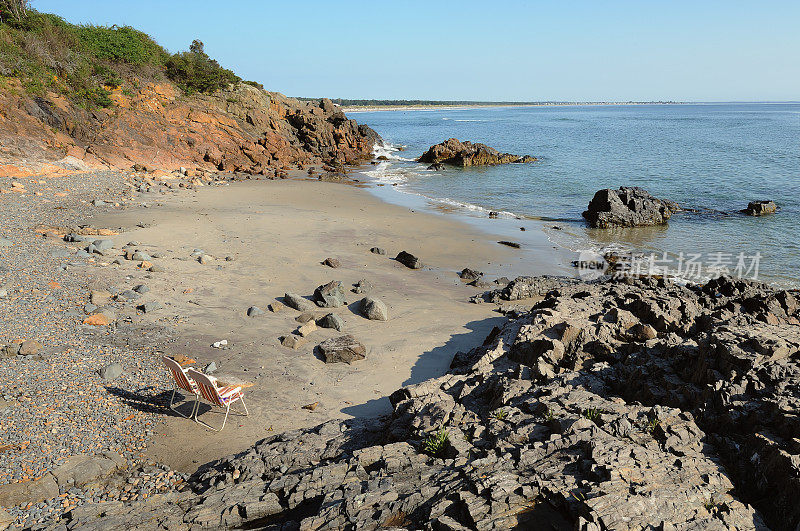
pixel 279 232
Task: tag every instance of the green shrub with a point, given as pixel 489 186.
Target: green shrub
pixel 194 71
pixel 435 444
pixel 121 45
pixel 97 96
pixel 255 84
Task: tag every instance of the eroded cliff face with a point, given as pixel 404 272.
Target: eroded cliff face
pixel 241 129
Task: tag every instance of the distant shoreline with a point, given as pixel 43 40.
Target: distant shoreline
pixel 368 108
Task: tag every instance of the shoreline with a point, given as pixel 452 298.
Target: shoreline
pixel 380 108
pixel 317 220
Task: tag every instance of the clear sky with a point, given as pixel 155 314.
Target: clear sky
pixel 568 50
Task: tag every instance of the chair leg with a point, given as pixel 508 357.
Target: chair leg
pixel 227 410
pixel 173 408
pixel 246 413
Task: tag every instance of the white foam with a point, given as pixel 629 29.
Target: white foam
pixel 389 151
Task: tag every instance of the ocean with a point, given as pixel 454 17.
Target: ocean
pixel 712 159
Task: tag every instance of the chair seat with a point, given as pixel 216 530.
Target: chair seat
pixel 229 393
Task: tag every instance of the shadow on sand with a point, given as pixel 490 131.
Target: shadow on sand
pixel 432 363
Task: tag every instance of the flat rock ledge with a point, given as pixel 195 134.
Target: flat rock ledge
pixel 630 404
pixel 457 153
pixel 627 207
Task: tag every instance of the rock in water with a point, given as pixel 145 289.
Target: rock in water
pixel 292 300
pixel 374 309
pixel 453 151
pixel 330 295
pixel 409 260
pixel 343 349
pixel 627 207
pixel 760 208
pixel 331 320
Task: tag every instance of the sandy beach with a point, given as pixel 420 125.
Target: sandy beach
pixel 279 232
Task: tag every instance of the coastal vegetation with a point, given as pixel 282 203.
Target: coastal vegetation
pixel 87 62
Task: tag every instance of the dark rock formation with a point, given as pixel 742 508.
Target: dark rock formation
pixel 409 260
pixel 459 153
pixel 627 207
pixel 760 208
pixel 633 404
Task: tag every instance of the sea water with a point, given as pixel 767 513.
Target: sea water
pixel 712 159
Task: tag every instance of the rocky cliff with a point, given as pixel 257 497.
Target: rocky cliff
pixel 242 128
pixel 634 404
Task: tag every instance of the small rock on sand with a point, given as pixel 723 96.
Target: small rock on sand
pixel 305 329
pixel 343 349
pixel 469 274
pixel 377 250
pixel 292 300
pixel 374 309
pixel 363 286
pixel 515 245
pixel 254 311
pixel 304 317
pixel 331 321
pixel 330 295
pixel 293 341
pixel 111 371
pixel 409 260
pixel 30 347
pixel 332 262
pixel 275 307
pixel 103 245
pixel 149 307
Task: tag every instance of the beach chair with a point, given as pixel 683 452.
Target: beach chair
pixel 182 381
pixel 220 397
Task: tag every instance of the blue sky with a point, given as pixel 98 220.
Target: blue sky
pixel 568 50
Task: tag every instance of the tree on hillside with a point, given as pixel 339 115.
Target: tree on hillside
pixel 13 10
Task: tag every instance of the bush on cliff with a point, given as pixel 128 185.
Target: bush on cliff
pixel 85 62
pixel 195 71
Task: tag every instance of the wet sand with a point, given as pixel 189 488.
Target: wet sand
pixel 279 232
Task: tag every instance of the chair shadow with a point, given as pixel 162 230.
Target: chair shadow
pixel 432 363
pixel 152 400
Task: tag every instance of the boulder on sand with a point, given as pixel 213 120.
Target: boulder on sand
pixel 374 309
pixel 330 295
pixel 292 300
pixel 409 260
pixel 627 207
pixel 457 153
pixel 342 349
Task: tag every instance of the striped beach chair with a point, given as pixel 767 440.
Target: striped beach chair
pixel 180 380
pixel 216 396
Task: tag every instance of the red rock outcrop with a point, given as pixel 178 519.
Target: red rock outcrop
pixel 241 129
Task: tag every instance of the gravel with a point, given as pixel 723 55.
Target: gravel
pixel 56 404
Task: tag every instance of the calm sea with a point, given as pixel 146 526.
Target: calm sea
pixel 712 158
